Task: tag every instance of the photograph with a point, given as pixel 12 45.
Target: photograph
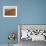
pixel 10 11
pixel 28 33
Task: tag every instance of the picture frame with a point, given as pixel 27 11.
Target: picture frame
pixel 39 28
pixel 9 11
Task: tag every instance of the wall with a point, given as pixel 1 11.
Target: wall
pixel 29 12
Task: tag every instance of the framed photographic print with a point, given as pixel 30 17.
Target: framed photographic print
pixel 33 32
pixel 9 11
